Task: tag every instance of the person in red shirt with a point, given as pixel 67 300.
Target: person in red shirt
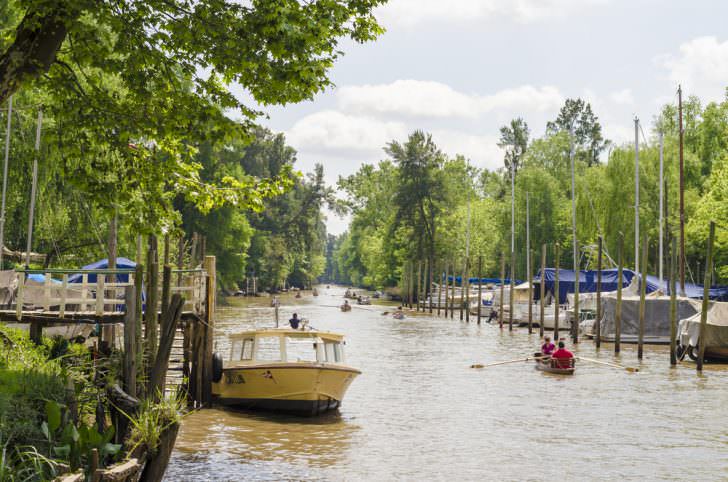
pixel 562 356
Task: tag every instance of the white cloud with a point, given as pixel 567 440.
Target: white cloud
pixel 701 66
pixel 335 131
pixel 622 97
pixel 419 98
pixel 483 150
pixel 409 13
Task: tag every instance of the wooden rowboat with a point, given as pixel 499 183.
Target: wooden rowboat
pixel 558 366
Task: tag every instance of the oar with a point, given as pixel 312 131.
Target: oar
pixel 478 365
pixel 613 365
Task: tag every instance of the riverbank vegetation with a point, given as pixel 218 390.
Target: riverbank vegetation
pixel 413 206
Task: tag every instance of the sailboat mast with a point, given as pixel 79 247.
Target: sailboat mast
pixel 5 180
pixel 682 194
pixel 636 196
pixel 33 189
pixel 662 195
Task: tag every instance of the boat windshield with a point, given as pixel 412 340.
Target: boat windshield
pixel 301 349
pixel 333 352
pixel 242 349
pixel 268 348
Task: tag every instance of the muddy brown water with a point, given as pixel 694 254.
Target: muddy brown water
pixel 418 412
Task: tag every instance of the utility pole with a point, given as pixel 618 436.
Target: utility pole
pixel 5 180
pixel 636 196
pixel 682 194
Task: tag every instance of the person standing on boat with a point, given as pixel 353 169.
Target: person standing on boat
pixel 294 321
pixel 547 348
pixel 562 356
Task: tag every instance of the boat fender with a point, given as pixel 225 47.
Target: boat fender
pixel 216 367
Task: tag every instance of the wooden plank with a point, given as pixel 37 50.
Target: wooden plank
pixel 46 291
pixel 130 343
pixel 210 288
pixel 100 296
pixel 64 293
pixel 19 297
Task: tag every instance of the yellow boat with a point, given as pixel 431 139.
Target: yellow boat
pixel 282 369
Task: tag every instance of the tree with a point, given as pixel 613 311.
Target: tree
pixel 576 117
pixel 514 139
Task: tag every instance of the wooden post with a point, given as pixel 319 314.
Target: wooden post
pixel 166 287
pixel 598 321
pixel 130 343
pixel 511 305
pixel 211 285
pixel 429 285
pixel 160 365
pixel 706 295
pixel 138 315
pixel 543 290
pixel 577 280
pixel 439 290
pixel 410 285
pixel 462 291
pixel 530 293
pixel 618 314
pixel 150 313
pixel 503 282
pixel 556 293
pixel 480 286
pixel 643 293
pixel 467 294
pixel 419 284
pixel 107 331
pixel 452 293
pixel 673 303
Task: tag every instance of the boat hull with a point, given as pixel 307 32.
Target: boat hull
pixel 549 366
pixel 306 389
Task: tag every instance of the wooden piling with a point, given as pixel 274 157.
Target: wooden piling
pixel 512 290
pixel 598 321
pixel 160 365
pixel 452 293
pixel 462 290
pixel 467 293
pixel 410 284
pixel 503 282
pixel 543 290
pixel 706 295
pixel 152 299
pixel 530 293
pixel 439 292
pixel 673 303
pixel 429 285
pixel 166 287
pixel 210 295
pixel 419 283
pixel 618 314
pixel 556 293
pixel 577 279
pixel 480 286
pixel 130 345
pixel 138 315
pixel 643 293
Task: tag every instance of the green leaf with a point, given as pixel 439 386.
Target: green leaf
pixel 53 412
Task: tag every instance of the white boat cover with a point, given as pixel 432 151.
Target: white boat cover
pixel 657 315
pixel 716 335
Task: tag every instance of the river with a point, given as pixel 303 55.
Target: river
pixel 420 412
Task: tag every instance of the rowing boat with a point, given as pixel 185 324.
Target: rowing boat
pixel 558 366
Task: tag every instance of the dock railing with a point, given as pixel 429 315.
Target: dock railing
pixel 97 292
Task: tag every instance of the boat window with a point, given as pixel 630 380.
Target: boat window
pixel 301 349
pixel 235 350
pixel 247 351
pixel 268 348
pixel 333 352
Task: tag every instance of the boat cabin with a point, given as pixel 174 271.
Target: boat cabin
pixel 286 346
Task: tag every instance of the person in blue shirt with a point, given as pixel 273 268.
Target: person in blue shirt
pixel 294 321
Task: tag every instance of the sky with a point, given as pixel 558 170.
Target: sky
pixel 461 69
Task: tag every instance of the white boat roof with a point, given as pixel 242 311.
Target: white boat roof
pixel 290 332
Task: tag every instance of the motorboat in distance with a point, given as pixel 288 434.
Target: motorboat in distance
pixel 281 369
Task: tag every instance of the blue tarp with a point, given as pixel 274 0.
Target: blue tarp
pixel 588 283
pixel 121 263
pixel 40 278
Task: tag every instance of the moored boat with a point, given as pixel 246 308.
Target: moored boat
pixel 287 370
pixel 558 366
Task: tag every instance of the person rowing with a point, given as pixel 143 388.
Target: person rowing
pixel 547 348
pixel 563 357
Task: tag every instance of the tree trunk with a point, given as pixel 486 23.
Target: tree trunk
pixel 37 40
